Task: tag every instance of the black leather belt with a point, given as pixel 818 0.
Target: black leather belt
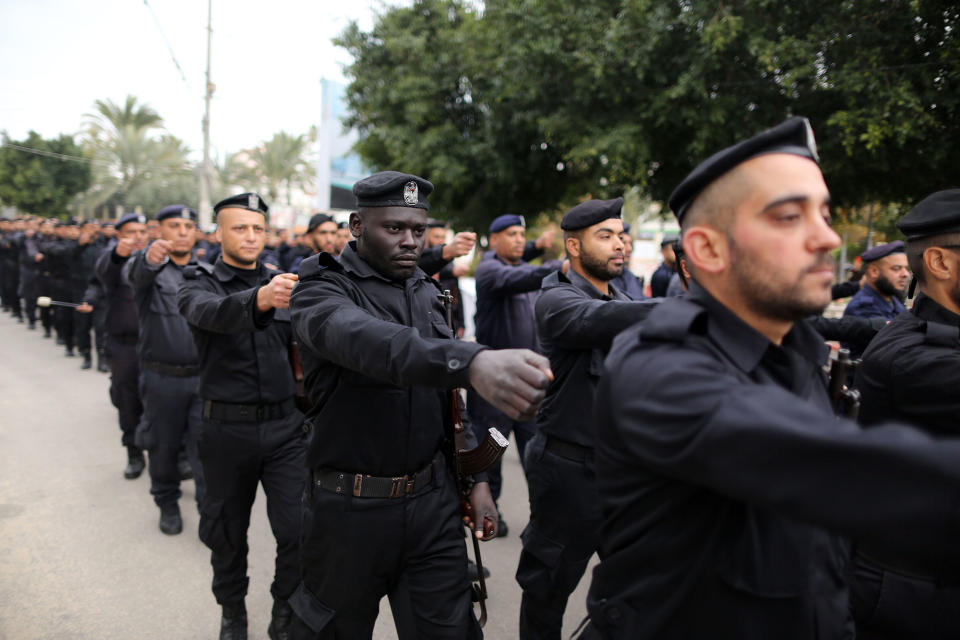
pixel 177 370
pixel 229 412
pixel 364 486
pixel 568 450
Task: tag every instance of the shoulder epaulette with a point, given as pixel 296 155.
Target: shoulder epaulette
pixel 943 335
pixel 673 320
pixel 316 264
pixel 193 271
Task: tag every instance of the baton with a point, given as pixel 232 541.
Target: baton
pixel 45 301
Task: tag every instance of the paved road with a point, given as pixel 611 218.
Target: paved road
pixel 80 553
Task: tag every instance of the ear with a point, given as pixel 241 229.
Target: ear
pixel 218 234
pixel 706 249
pixel 356 224
pixel 939 264
pixel 572 245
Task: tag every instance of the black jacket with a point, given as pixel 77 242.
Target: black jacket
pixel 378 357
pixel 727 484
pixel 164 333
pixel 244 354
pixel 121 316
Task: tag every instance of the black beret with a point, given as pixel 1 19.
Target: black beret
pixel 130 217
pixel 248 201
pixel 626 227
pixel 936 214
pixel 343 225
pixel 882 251
pixel 104 225
pixel 392 189
pixel 507 220
pixel 591 212
pixel 318 219
pixel 176 211
pixel 795 136
pixel 667 240
pixel 433 223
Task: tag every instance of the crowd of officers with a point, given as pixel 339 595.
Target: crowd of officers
pixel 687 437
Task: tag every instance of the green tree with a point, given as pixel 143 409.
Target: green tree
pixel 42 176
pixel 281 163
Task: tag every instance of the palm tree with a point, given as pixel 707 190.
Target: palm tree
pixel 281 162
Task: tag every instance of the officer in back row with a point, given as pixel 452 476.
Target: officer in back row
pixel 910 373
pixel 886 276
pixel 383 515
pixel 727 484
pixel 251 431
pixel 578 314
pixel 122 328
pixel 169 365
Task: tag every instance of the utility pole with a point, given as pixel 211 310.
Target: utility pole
pixel 205 208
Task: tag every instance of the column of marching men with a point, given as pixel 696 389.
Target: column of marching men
pixel 688 438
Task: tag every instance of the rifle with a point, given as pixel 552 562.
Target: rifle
pixel 845 401
pixel 466 462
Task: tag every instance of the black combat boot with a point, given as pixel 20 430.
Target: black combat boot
pixel 102 363
pixel 233 624
pixel 170 521
pixel 69 351
pixel 279 628
pixel 87 360
pixel 135 463
pixel 46 332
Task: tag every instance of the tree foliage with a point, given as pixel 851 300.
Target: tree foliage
pixel 42 181
pixel 525 105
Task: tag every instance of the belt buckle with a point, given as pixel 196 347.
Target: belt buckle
pixel 357 484
pixel 260 412
pixel 410 484
pixel 397 485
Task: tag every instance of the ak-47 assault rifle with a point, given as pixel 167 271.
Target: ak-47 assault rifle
pixel 466 462
pixel 845 401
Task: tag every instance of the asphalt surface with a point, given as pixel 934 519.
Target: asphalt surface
pixel 80 553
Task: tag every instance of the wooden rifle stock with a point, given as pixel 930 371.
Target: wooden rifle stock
pixel 845 401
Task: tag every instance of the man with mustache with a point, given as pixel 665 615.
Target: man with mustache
pixel 887 274
pixel 727 485
pixel 382 510
pixel 910 372
pixel 578 314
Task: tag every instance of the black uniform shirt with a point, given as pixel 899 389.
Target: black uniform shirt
pixel 576 324
pixel 723 474
pixel 377 356
pixel 121 317
pixel 911 370
pixel 164 333
pixel 244 354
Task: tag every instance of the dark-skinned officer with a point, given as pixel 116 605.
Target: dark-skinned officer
pixel 578 315
pixel 727 484
pixel 382 514
pixel 251 431
pixel 122 328
pixel 909 373
pixel 169 364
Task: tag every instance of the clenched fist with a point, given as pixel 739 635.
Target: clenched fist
pixel 461 245
pixel 125 246
pixel 276 294
pixel 512 380
pixel 159 251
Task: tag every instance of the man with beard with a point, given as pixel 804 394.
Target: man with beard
pixel 578 314
pixel 251 433
pixel 726 483
pixel 910 372
pixel 121 328
pixel 169 365
pixel 320 237
pixel 887 274
pixel 627 282
pixel 383 515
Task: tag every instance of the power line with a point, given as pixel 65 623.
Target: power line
pixel 167 42
pixel 104 163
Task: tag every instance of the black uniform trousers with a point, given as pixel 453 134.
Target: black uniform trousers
pixel 63 316
pixel 28 291
pixel 522 432
pixel 171 419
pixel 562 535
pixel 10 280
pixel 121 355
pixel 890 605
pixel 236 457
pixel 357 550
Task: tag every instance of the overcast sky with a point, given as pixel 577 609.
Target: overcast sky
pixel 58 56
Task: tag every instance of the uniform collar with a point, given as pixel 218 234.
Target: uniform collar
pixel 224 273
pixel 746 346
pixel 351 262
pixel 929 309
